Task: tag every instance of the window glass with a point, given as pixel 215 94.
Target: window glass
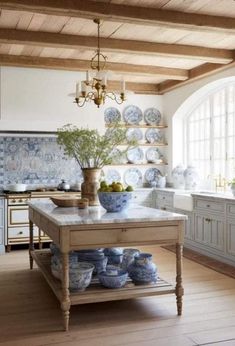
pixel 210 134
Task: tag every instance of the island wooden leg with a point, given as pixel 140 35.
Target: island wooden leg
pixel 179 287
pixel 65 303
pixel 31 244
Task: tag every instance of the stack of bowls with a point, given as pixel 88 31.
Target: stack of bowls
pixel 95 257
pixel 113 277
pixel 128 257
pixel 114 254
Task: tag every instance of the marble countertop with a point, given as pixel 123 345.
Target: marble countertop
pixel 98 215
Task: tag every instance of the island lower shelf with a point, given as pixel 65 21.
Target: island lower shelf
pixel 95 292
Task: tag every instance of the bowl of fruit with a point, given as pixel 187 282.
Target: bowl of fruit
pixel 114 197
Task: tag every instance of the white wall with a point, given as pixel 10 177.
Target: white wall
pixel 37 100
pixel 177 102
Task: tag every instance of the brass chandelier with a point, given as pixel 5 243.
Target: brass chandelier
pixel 95 88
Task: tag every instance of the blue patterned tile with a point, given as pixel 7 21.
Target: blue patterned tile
pixel 35 160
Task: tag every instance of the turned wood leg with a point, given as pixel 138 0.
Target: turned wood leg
pixel 65 303
pixel 31 244
pixel 179 287
pixel 39 239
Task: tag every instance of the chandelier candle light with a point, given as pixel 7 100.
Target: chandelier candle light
pixel 95 89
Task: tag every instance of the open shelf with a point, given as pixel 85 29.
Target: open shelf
pixel 143 126
pixel 95 292
pixel 139 164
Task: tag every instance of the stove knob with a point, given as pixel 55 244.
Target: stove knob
pixel 13 201
pixel 20 200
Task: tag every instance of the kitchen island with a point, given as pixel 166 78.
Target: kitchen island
pixel 74 229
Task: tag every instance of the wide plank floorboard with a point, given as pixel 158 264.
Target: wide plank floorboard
pixel 30 314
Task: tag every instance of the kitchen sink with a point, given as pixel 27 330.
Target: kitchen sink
pixel 183 201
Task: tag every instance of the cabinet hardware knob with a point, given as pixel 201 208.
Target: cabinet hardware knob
pixel 163 208
pixel 208 205
pixel 21 232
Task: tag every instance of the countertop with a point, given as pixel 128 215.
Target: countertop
pixel 98 215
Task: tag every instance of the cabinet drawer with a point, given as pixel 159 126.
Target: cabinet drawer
pixel 20 232
pixel 163 200
pixel 209 205
pixel 135 235
pixel 231 210
pixel 139 197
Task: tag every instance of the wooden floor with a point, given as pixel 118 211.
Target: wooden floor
pixel 30 313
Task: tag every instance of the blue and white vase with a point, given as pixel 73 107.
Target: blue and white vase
pixel 143 270
pixel 191 178
pixel 178 177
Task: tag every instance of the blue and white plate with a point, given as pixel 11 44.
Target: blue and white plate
pixel 152 175
pixel 133 177
pixel 132 115
pixel 111 115
pixel 112 175
pixel 117 156
pixel 135 155
pixel 152 116
pixel 154 136
pixel 154 155
pixel 134 134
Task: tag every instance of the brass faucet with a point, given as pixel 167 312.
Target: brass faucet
pixel 220 182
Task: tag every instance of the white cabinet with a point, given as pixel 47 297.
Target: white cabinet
pixel 164 200
pixel 189 225
pixel 209 231
pixel 142 197
pixel 2 224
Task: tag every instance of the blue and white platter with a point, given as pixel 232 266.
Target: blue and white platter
pixel 152 175
pixel 134 134
pixel 152 116
pixel 154 136
pixel 133 177
pixel 112 175
pixel 135 155
pixel 154 155
pixel 132 115
pixel 117 156
pixel 111 115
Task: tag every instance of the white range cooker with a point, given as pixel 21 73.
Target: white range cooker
pixel 16 217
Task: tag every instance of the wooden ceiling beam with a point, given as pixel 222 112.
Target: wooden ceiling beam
pixel 196 73
pixel 46 39
pixel 83 65
pixel 124 13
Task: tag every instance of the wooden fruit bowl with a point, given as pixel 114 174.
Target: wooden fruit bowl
pixel 70 201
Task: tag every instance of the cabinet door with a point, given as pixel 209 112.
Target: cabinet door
pixel 230 246
pixel 209 230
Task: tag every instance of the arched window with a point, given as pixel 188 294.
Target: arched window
pixel 209 134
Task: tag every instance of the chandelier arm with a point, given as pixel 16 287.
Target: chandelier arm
pixel 113 97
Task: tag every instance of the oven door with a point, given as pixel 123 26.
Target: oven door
pixel 18 216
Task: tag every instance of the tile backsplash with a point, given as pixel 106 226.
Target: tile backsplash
pixel 35 161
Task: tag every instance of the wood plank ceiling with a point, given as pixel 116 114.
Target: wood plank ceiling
pixel 155 45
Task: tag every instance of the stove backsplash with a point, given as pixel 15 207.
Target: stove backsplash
pixel 37 161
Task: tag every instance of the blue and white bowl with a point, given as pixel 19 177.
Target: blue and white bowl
pixel 113 277
pixel 115 201
pixel 80 276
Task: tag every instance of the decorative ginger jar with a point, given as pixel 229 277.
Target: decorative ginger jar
pixel 178 177
pixel 128 257
pixel 191 178
pixel 143 270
